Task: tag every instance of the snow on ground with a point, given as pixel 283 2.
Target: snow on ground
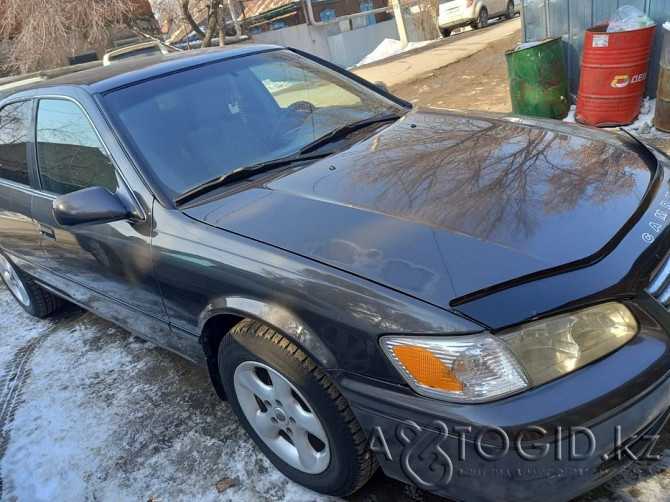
pixel 387 48
pixel 23 328
pixel 643 124
pixel 90 412
pixel 571 115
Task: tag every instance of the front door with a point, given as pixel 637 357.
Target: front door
pixel 105 267
pixel 18 233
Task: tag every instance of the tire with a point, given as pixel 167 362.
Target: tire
pixel 272 383
pixel 482 19
pixel 509 11
pixel 33 298
pixel 446 32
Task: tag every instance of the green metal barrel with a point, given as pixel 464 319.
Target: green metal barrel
pixel 538 82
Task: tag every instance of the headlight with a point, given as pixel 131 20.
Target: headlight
pixel 559 345
pixel 477 368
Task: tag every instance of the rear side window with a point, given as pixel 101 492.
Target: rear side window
pixel 14 121
pixel 69 154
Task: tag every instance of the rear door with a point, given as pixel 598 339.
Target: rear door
pixel 106 267
pixel 18 232
pixel 451 11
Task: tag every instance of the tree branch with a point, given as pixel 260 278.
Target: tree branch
pixel 183 6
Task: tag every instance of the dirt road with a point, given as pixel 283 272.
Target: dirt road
pixel 476 82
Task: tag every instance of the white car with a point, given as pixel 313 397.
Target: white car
pixel 476 13
pixel 150 48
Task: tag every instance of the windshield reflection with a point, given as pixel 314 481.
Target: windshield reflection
pixel 201 123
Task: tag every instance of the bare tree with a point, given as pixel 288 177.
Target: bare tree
pixel 425 18
pixel 215 23
pixel 498 178
pixel 206 18
pixel 166 10
pixel 43 32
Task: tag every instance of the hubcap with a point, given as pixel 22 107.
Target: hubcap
pixel 13 281
pixel 282 417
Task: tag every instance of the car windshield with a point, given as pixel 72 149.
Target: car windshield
pixel 206 121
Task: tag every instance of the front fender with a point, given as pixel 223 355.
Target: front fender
pixel 276 317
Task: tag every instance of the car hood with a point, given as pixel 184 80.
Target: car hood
pixel 441 205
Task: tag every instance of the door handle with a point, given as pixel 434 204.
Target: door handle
pixel 47 232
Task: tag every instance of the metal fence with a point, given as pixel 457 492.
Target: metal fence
pixel 570 18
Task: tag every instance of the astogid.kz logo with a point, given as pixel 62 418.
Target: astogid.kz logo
pixel 423 453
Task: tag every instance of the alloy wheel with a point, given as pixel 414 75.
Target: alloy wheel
pixel 282 417
pixel 483 18
pixel 13 281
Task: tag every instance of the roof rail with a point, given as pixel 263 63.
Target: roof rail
pixel 9 84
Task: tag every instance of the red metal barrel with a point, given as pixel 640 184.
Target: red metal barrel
pixel 613 76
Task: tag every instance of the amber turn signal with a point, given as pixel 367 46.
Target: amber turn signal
pixel 426 368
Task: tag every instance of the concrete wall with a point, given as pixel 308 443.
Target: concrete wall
pixel 349 47
pixel 569 20
pixel 335 42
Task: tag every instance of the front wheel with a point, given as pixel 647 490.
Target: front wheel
pixel 482 19
pixel 293 411
pixel 446 32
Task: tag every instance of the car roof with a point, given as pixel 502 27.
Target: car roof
pixel 105 78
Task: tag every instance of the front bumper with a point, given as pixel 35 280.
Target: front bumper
pixel 555 442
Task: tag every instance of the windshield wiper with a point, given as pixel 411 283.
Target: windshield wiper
pixel 306 153
pixel 346 130
pixel 246 172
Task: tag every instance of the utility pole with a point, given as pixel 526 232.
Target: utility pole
pixel 397 13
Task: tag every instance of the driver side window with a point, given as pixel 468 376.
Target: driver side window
pixel 70 155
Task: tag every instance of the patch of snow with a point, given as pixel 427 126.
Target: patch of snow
pixel 642 126
pixel 666 25
pixel 571 115
pixel 16 326
pixel 387 48
pixel 643 123
pixel 102 415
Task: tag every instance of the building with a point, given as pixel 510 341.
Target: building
pixel 141 18
pixel 266 15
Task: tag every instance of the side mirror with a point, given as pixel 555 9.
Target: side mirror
pixel 382 85
pixel 88 207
